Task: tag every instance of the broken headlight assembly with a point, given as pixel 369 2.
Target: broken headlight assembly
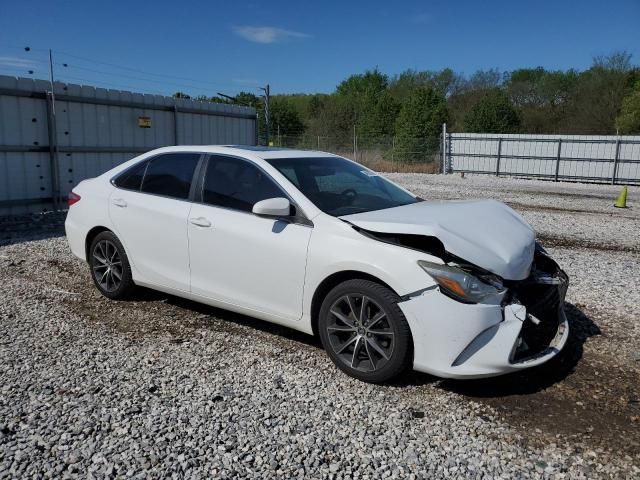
pixel 461 285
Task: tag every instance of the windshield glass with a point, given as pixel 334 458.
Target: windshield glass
pixel 340 187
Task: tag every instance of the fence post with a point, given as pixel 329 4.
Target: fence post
pixel 558 159
pixel 355 144
pixel 175 125
pixel 614 174
pixel 443 149
pixel 498 159
pixel 393 153
pixel 449 162
pixel 256 128
pixel 53 151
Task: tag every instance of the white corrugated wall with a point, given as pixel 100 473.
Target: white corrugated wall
pixel 93 136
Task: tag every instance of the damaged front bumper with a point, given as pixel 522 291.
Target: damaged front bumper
pixel 458 340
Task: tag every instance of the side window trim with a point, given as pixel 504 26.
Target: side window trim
pixel 300 218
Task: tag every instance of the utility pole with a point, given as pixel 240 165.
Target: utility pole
pixel 53 140
pixel 267 117
pixel 53 95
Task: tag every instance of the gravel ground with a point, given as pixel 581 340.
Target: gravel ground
pixel 161 387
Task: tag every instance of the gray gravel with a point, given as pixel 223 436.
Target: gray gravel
pixel 163 387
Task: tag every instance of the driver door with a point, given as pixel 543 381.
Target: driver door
pixel 237 257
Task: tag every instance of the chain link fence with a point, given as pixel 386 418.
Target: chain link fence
pixel 578 158
pixel 383 153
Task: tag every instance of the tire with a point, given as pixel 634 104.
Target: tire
pixel 107 261
pixel 380 333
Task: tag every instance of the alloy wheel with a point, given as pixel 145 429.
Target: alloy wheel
pixel 360 332
pixel 107 265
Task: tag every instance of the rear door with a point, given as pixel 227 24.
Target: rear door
pixel 240 258
pixel 149 209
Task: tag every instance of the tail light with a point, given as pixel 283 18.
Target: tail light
pixel 73 198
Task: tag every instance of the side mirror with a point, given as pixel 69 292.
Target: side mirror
pixel 273 207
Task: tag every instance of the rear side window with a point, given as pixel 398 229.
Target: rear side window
pixel 233 183
pixel 132 178
pixel 170 175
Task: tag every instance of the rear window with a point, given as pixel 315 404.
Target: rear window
pixel 170 175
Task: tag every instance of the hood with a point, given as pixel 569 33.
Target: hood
pixel 486 233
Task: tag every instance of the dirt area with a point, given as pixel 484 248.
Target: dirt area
pixel 582 395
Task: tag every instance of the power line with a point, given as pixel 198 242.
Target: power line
pixel 137 70
pixel 195 84
pixel 102 84
pixel 121 75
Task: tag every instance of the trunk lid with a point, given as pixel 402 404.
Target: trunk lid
pixel 486 233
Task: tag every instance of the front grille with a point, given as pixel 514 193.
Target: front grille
pixel 543 295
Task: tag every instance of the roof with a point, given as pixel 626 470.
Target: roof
pixel 278 152
pixel 251 150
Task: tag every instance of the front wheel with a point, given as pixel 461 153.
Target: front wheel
pixel 364 331
pixel 110 268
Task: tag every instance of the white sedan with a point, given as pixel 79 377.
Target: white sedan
pixel 321 244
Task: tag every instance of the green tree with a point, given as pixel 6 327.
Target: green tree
pixel 335 121
pixel 541 97
pixel 484 80
pixel 598 94
pixel 492 114
pixel 285 119
pixel 315 105
pixel 362 86
pixel 459 105
pixel 249 99
pixel 379 118
pixel 364 93
pixel 419 124
pixel 628 122
pixel 446 82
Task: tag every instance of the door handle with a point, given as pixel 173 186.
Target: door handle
pixel 200 222
pixel 119 202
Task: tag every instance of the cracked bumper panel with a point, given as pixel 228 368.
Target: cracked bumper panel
pixel 457 340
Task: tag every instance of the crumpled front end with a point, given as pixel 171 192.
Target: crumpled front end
pixel 524 327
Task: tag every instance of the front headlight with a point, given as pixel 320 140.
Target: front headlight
pixel 460 284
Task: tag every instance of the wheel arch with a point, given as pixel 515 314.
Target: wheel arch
pixel 91 234
pixel 332 281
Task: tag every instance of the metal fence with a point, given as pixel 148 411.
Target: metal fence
pixel 47 146
pixel 580 158
pixel 384 153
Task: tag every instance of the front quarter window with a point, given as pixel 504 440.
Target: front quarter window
pixel 338 186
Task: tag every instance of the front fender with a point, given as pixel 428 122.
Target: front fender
pixel 336 247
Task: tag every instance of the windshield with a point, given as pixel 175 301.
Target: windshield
pixel 340 187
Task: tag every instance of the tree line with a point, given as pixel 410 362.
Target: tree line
pixel 412 106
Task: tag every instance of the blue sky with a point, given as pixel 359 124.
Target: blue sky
pixel 298 46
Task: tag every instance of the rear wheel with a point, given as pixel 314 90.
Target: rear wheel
pixel 110 267
pixel 364 331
